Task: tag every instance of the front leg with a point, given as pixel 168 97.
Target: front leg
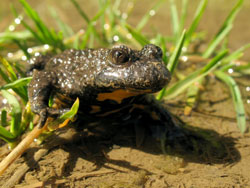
pixel 39 91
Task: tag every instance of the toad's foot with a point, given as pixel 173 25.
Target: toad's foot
pixel 50 112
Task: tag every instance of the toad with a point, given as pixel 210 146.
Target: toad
pixel 111 84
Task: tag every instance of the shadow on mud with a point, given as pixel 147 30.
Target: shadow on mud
pixel 201 146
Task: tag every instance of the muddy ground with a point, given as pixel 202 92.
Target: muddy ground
pixel 218 155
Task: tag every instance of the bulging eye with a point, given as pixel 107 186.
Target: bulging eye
pixel 119 56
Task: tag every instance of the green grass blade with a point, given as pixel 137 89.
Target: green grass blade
pixel 175 19
pixel 211 47
pixel 174 59
pixel 228 62
pixel 33 32
pixel 237 100
pixel 123 31
pixel 6 135
pixel 4 122
pixel 183 14
pixel 16 112
pixel 214 61
pixel 67 31
pixel 76 42
pixel 198 14
pixel 73 111
pixel 91 29
pixel 6 37
pixel 224 30
pixel 100 13
pixel 137 36
pixel 48 36
pixel 110 12
pixel 91 41
pixel 23 47
pixel 17 83
pixel 230 18
pixel 67 115
pixel 27 118
pixel 182 85
pixel 243 69
pixel 164 50
pixel 80 11
pixel 236 54
pixel 38 22
pixel 161 41
pixel 148 15
pixel 51 99
pixel 20 69
pixel 116 5
pixel 4 76
pixel 57 39
pixel 11 73
pixel 11 77
pixel 86 36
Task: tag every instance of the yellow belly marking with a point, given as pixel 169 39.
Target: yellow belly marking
pixel 117 95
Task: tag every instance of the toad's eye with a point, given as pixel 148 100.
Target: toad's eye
pixel 119 56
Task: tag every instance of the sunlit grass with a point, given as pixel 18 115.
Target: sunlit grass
pixel 106 28
pixel 236 96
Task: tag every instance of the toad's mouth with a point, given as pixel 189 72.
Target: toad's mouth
pixel 120 94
